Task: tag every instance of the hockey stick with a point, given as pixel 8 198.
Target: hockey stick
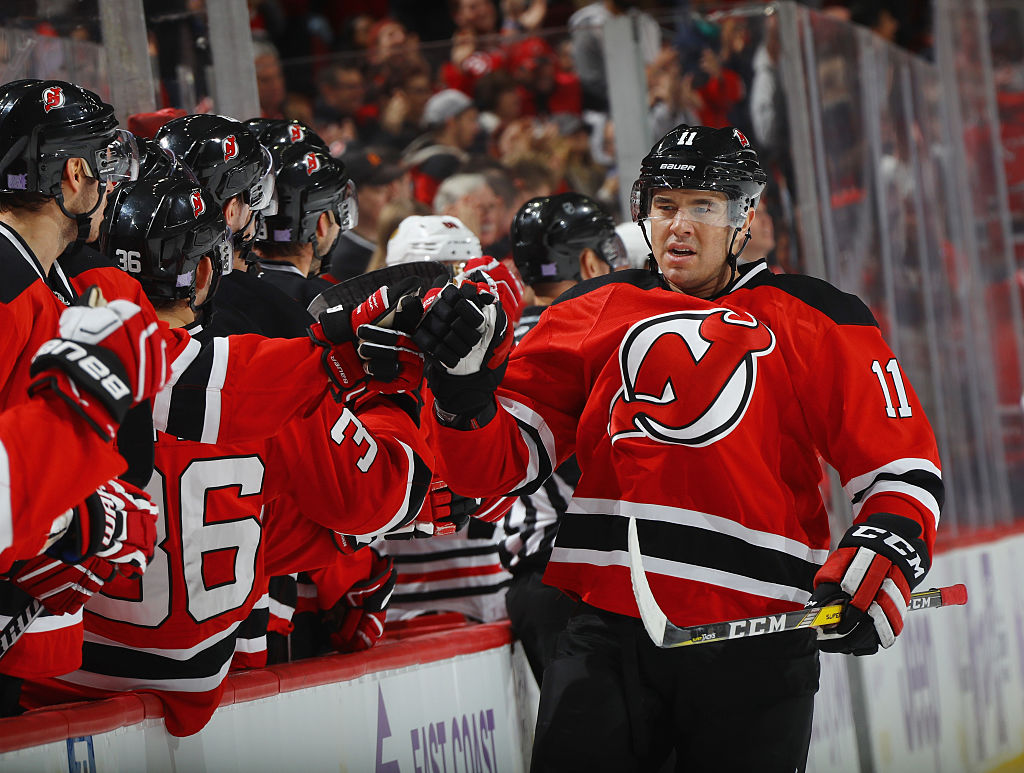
pixel 664 634
pixel 18 624
pixel 352 292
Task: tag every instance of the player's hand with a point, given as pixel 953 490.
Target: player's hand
pixel 356 622
pixel 877 564
pixel 371 343
pixel 466 338
pixel 106 359
pixel 501 281
pixel 129 537
pixel 62 588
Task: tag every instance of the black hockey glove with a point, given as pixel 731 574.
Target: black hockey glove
pixel 877 564
pixel 466 339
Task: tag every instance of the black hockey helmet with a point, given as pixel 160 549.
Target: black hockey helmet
pixel 160 228
pixel 309 182
pixel 549 233
pixel 43 123
pixel 224 154
pixel 285 131
pixel 156 160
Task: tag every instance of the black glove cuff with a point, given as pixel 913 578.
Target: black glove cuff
pixel 82 539
pixel 93 369
pixel 897 538
pixel 335 328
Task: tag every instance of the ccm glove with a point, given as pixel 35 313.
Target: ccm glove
pixel 877 564
pixel 356 622
pixel 106 360
pixel 502 281
pixel 466 338
pixel 62 588
pixel 372 342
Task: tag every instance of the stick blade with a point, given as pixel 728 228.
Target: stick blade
pixel 654 620
pixel 352 292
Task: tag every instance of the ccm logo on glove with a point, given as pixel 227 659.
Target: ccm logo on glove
pixel 894 541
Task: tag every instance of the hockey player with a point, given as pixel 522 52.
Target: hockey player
pixel 698 423
pixel 174 632
pixel 237 169
pixel 315 202
pixel 557 242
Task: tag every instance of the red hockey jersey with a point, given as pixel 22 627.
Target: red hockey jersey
pixel 173 631
pixel 703 421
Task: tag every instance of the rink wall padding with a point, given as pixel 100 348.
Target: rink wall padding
pixel 445 700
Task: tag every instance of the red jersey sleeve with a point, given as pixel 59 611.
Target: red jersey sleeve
pixel 357 473
pixel 34 487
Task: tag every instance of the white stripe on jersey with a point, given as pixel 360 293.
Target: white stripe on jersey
pixel 537 460
pixel 45 623
pixel 255 644
pixel 525 537
pixel 702 574
pixel 699 520
pixel 6 514
pixel 173 654
pixel 218 375
pixel 125 683
pixel 868 484
pixel 162 402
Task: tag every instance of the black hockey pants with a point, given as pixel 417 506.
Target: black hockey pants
pixel 612 701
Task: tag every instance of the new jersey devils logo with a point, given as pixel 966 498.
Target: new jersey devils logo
pixel 311 162
pixel 295 133
pixel 687 376
pixel 741 137
pixel 53 97
pixel 198 205
pixel 230 147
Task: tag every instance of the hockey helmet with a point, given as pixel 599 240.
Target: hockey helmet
pixel 442 238
pixel 701 158
pixel 224 154
pixel 43 123
pixel 549 233
pixel 285 131
pixel 309 182
pixel 160 228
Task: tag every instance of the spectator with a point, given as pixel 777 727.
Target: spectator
pixel 475 49
pixel 378 181
pixel 500 101
pixel 470 198
pixel 341 93
pixel 391 216
pixel 545 88
pixel 585 30
pixel 452 123
pixel 579 169
pixel 672 96
pixel 402 109
pixel 269 80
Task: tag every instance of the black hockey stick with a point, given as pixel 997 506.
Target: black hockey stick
pixel 352 292
pixel 18 625
pixel 664 634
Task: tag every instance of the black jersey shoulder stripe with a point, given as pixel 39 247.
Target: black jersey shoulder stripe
pixel 78 260
pixel 444 555
pixel 690 545
pixel 922 479
pixel 130 663
pixel 19 268
pixel 842 308
pixel 638 277
pixel 451 593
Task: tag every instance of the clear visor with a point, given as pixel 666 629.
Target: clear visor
pixel 119 160
pixel 614 251
pixel 696 206
pixel 261 192
pixel 348 208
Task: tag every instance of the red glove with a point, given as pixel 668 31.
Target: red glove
pixel 106 360
pixel 372 342
pixel 117 523
pixel 356 622
pixel 62 588
pixel 877 564
pixel 130 527
pixel 503 282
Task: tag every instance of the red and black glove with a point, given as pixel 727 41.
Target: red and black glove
pixel 116 523
pixel 107 359
pixel 61 587
pixel 466 338
pixel 503 282
pixel 356 621
pixel 371 343
pixel 877 564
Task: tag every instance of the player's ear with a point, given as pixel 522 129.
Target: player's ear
pixel 204 273
pixel 591 264
pixel 232 208
pixel 323 224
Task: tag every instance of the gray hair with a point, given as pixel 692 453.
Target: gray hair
pixel 455 187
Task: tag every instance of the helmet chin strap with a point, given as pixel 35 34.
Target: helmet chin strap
pixel 83 220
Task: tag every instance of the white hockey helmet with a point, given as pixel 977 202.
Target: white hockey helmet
pixel 432 237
